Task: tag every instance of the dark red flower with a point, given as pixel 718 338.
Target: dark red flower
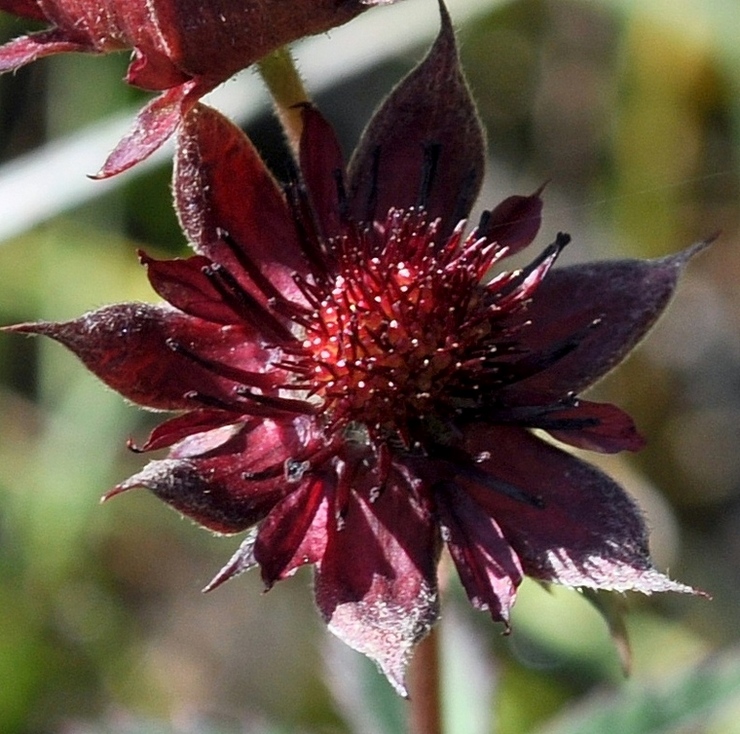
pixel 183 48
pixel 358 391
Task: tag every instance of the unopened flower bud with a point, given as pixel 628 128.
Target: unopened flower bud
pixel 183 48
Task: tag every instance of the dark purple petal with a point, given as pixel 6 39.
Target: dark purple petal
pixel 424 146
pixel 594 427
pixel 572 524
pixel 183 283
pixel 154 71
pixel 157 356
pixel 220 38
pixel 294 533
pixel 231 207
pixel 210 39
pixel 153 126
pixel 322 166
pixel 243 560
pixel 376 584
pixel 233 486
pixel 623 297
pixel 209 491
pixel 178 428
pixel 24 8
pixel 24 50
pixel 514 223
pixel 512 290
pixel 488 567
pixel 200 288
pixel 207 442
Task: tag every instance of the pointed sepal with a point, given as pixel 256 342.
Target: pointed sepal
pixel 424 146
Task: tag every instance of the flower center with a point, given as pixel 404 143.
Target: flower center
pixel 385 339
pixel 377 354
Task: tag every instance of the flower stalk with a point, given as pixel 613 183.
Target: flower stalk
pixel 425 701
pixel 283 80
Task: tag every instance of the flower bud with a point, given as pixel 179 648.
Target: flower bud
pixel 183 48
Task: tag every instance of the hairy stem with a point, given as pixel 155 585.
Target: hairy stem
pixel 425 705
pixel 279 72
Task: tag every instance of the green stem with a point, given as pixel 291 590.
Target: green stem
pixel 285 85
pixel 425 705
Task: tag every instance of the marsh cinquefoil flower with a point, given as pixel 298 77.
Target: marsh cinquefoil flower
pixel 358 392
pixel 182 48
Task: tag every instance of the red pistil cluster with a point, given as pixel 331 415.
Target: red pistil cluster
pixel 404 330
pixel 384 339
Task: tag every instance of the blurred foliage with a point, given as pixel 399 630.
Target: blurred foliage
pixel 631 110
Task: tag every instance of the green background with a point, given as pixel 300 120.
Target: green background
pixel 630 110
